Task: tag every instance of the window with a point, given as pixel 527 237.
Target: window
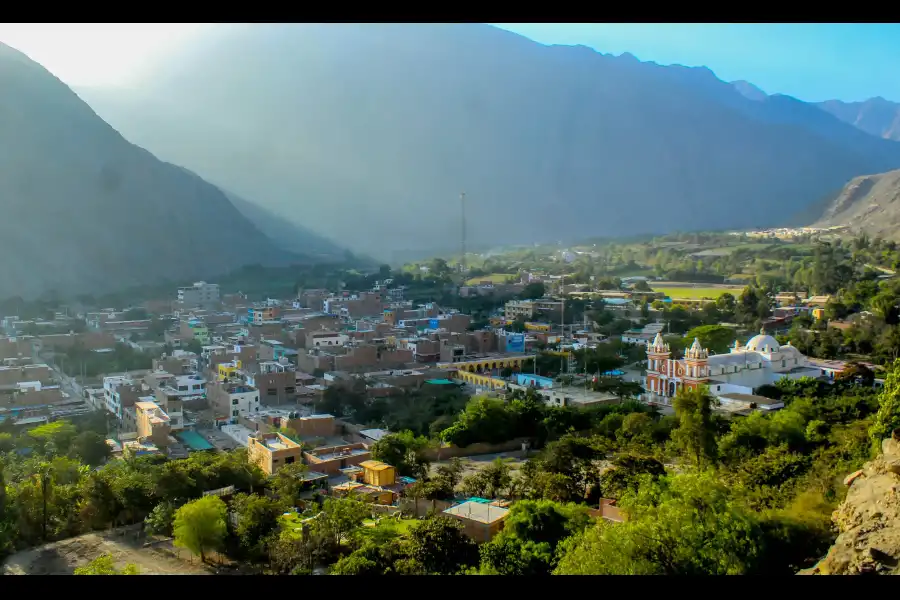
pixel 290 390
pixel 235 413
pixel 272 392
pixel 234 402
pixel 783 363
pixel 289 460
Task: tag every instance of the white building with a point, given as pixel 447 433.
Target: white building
pixel 199 294
pixel 763 361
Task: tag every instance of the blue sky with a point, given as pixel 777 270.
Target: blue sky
pixel 811 61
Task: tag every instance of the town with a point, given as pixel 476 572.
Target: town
pixel 470 407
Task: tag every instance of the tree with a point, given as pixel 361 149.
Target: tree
pixel 695 434
pixel 532 531
pixel 887 419
pixel 55 437
pixel 490 481
pixel 438 546
pixel 200 525
pixel 404 452
pixel 7 442
pixel 679 525
pixel 160 519
pixel 715 338
pixel 103 565
pixel 627 473
pixel 533 290
pixel 255 518
pixel 287 483
pixel 91 447
pixel 340 516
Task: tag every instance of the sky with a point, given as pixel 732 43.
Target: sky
pixel 94 54
pixel 812 62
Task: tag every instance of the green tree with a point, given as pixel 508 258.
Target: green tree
pixel 533 291
pixel 695 434
pixel 91 447
pixel 255 518
pixel 715 338
pixel 7 442
pixel 887 419
pixel 161 519
pixel 287 483
pixel 438 546
pixel 679 525
pixel 55 437
pixel 200 525
pixel 532 531
pixel 103 565
pixel 403 451
pixel 490 481
pixel 340 516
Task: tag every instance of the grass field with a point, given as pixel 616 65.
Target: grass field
pixel 696 292
pixel 493 278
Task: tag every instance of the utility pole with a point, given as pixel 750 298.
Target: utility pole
pixel 462 263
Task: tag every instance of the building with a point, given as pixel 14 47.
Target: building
pixel 644 335
pixel 259 315
pixel 199 294
pixel 230 399
pixel 378 473
pixel 763 361
pixel 332 459
pixel 271 451
pixel 529 309
pixel 152 424
pixel 481 521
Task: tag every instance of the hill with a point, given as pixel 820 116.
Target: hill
pixel 87 211
pixel 368 133
pixel 876 116
pixel 868 204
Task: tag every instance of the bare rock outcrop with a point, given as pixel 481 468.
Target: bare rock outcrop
pixel 869 520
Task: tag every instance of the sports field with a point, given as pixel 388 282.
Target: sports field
pixel 493 278
pixel 696 292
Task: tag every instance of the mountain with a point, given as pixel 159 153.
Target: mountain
pixel 367 133
pixel 749 91
pixel 84 210
pixel 869 204
pixel 876 116
pixel 291 237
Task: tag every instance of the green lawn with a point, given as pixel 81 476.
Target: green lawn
pixel 493 278
pixel 696 292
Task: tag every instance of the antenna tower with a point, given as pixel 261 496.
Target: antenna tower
pixel 462 263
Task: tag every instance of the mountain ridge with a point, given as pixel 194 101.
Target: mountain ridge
pixel 867 204
pixel 86 210
pixel 372 131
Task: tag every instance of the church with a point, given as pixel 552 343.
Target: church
pixel 762 361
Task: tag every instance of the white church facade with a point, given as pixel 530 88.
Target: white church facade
pixel 762 361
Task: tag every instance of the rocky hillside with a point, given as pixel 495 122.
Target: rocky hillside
pixel 84 210
pixel 367 134
pixel 869 204
pixel 877 116
pixel 869 519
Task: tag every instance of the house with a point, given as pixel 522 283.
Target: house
pixel 481 520
pixel 366 493
pixel 378 473
pixel 152 423
pixel 271 451
pixel 331 459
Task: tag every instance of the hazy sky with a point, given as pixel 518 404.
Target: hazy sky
pixel 813 62
pixel 810 61
pixel 84 54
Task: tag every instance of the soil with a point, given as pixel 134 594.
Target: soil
pixel 126 546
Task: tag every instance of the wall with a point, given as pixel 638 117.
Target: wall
pixel 451 451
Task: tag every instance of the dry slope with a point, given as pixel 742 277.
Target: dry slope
pixel 869 520
pixel 869 204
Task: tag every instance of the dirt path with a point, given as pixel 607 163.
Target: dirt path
pixel 63 557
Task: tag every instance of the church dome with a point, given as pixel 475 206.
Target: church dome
pixel 763 343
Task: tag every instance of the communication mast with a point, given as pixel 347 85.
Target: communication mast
pixel 462 262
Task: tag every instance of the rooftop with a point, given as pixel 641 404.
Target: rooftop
pixel 477 511
pixel 374 465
